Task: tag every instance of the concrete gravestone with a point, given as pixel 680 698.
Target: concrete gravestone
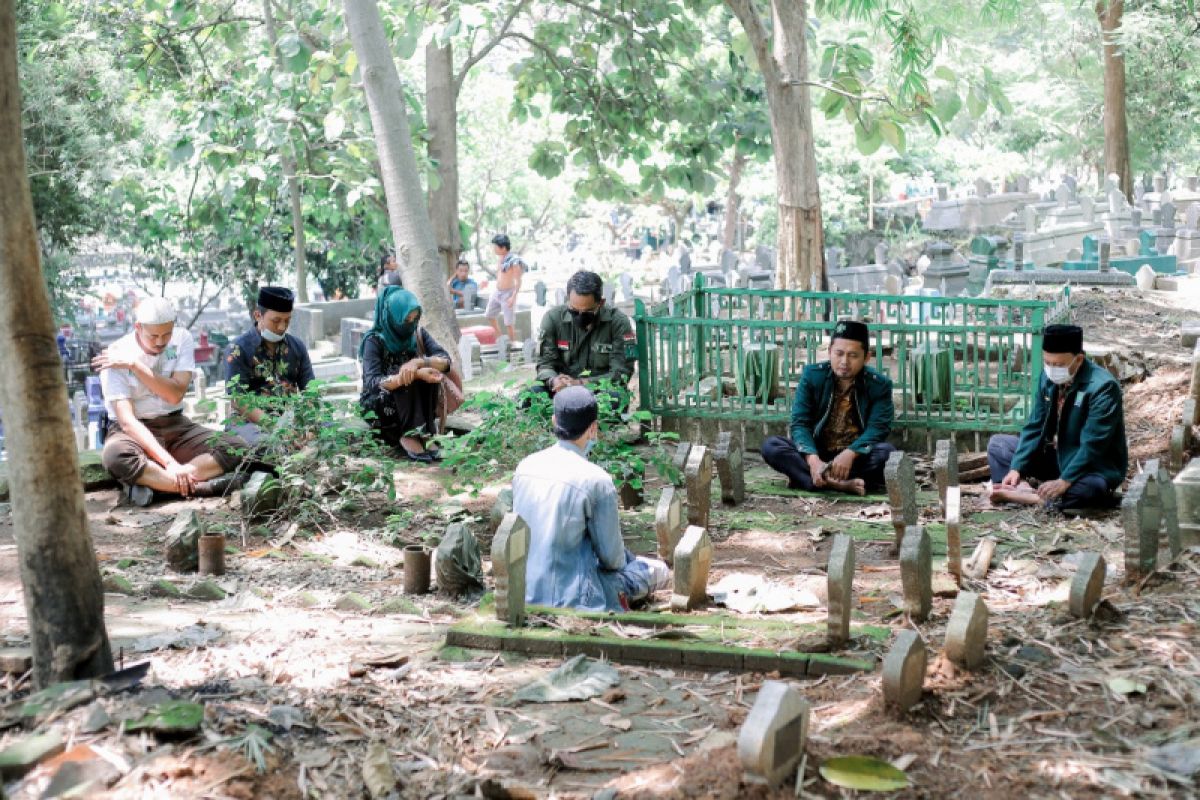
pixel 510 548
pixel 954 532
pixel 966 633
pixel 698 476
pixel 1088 585
pixel 1141 515
pixel 773 736
pixel 1187 498
pixel 904 671
pixel 945 467
pixel 841 588
pixel 668 523
pixel 679 460
pixel 902 493
pixel 693 557
pixel 730 469
pixel 1168 505
pixel 916 573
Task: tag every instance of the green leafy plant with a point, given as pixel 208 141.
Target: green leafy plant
pixel 326 458
pixel 513 427
pixel 510 428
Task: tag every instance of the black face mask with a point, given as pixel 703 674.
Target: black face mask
pixel 406 330
pixel 584 319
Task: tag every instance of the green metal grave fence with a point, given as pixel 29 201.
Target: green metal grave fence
pixel 957 364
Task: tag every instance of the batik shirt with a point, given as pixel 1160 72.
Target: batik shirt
pixel 842 429
pixel 259 371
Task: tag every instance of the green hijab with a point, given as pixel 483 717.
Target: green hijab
pixel 391 310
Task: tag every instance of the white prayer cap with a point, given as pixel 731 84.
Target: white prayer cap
pixel 155 311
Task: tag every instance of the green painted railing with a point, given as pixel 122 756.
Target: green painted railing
pixel 958 364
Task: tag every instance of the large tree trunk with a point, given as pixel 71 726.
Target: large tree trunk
pixel 782 57
pixel 64 601
pixel 288 161
pixel 416 249
pixel 1116 131
pixel 441 119
pixel 733 201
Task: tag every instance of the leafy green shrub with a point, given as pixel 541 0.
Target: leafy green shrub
pixel 513 427
pixel 327 459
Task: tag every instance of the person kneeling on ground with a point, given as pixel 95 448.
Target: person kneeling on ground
pixel 841 418
pixel 151 446
pixel 1074 440
pixel 577 558
pixel 266 361
pixel 402 366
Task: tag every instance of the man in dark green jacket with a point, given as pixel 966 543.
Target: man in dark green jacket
pixel 1073 442
pixel 584 341
pixel 841 419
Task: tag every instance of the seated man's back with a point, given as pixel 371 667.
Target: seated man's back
pixel 560 490
pixel 577 557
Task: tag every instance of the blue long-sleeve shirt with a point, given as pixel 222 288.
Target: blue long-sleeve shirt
pixel 575 545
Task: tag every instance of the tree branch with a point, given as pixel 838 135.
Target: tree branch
pixel 747 13
pixel 475 58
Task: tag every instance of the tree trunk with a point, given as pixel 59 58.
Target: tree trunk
pixel 288 162
pixel 733 200
pixel 64 602
pixel 441 118
pixel 783 60
pixel 1116 131
pixel 416 248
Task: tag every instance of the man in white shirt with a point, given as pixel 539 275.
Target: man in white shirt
pixel 151 446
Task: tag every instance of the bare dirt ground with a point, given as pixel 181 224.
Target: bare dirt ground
pixel 1063 707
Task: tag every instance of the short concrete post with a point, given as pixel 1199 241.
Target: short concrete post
pixel 698 476
pixel 904 672
pixel 693 557
pixel 840 576
pixel 510 549
pixel 668 523
pixel 916 573
pixel 773 736
pixel 902 493
pixel 966 633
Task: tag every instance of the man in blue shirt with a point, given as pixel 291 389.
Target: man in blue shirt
pixel 577 558
pixel 841 419
pixel 266 360
pixel 1074 441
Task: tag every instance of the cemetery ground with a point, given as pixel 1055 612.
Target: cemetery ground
pixel 318 677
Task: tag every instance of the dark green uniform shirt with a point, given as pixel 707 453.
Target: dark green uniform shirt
pixel 608 350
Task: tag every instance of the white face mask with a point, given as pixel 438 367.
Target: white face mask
pixel 271 336
pixel 1058 375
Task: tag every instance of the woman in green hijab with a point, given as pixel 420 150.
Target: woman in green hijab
pixel 402 367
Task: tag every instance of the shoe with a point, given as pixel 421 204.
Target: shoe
pixel 221 485
pixel 435 454
pixel 420 458
pixel 138 495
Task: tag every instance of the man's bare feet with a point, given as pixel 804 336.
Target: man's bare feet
pixel 852 486
pixel 1022 495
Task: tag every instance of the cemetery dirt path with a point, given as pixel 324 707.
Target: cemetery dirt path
pixel 310 662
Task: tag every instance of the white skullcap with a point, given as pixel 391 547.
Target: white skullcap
pixel 155 311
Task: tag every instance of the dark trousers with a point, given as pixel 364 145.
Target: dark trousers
pixel 782 455
pixel 1090 491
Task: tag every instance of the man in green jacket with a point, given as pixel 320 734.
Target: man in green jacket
pixel 841 419
pixel 584 341
pixel 1074 441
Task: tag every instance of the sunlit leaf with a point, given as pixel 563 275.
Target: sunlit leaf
pixel 863 773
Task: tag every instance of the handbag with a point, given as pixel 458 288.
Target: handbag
pixel 450 391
